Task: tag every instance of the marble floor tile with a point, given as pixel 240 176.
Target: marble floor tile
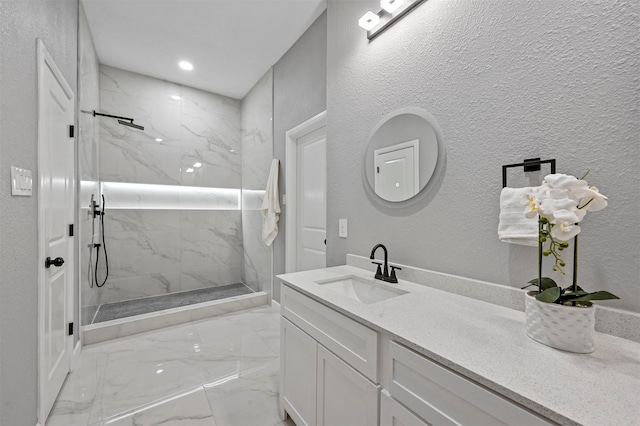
pixel 219 371
pixel 287 422
pixel 251 399
pixel 75 401
pixel 189 408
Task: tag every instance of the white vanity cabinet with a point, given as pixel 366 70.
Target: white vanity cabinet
pixel 328 365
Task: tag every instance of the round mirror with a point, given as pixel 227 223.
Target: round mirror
pixel 405 152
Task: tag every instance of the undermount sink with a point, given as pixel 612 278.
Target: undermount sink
pixel 361 289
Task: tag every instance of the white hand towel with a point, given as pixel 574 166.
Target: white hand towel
pixel 271 206
pixel 514 226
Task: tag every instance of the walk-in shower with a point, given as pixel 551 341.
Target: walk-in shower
pixel 170 205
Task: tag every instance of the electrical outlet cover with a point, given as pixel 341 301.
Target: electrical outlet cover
pixel 342 228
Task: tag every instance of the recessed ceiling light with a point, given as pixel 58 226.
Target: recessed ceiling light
pixel 232 150
pixel 197 164
pixel 158 139
pixel 175 97
pixel 187 66
pixel 189 170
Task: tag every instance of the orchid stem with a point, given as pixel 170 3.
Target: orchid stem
pixel 575 264
pixel 540 225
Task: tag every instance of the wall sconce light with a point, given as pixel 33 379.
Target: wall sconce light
pixel 392 11
pixel 391 6
pixel 369 21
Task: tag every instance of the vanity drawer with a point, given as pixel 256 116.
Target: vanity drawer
pixel 395 414
pixel 353 342
pixel 440 396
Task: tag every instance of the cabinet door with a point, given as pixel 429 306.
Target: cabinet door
pixel 298 374
pixel 345 397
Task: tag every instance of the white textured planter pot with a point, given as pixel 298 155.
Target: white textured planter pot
pixel 568 328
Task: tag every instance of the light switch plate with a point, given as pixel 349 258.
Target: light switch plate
pixel 21 182
pixel 342 228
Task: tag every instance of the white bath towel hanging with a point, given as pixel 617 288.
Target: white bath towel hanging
pixel 271 206
pixel 514 226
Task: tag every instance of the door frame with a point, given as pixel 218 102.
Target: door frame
pixel 292 137
pixel 44 60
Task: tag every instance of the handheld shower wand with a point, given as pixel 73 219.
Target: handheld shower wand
pixel 92 271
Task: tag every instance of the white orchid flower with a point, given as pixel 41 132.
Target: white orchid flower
pixel 568 216
pixel 590 198
pixel 549 206
pixel 562 181
pixel 533 198
pixel 561 202
pixel 564 231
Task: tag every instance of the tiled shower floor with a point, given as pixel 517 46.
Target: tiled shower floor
pixel 117 310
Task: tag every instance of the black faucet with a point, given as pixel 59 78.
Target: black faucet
pixel 384 273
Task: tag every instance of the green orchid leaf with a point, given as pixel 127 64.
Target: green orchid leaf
pixel 546 283
pixel 550 295
pixel 571 296
pixel 598 295
pixel 570 289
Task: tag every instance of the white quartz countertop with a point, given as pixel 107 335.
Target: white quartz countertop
pixel 487 343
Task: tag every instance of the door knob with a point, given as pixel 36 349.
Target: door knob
pixel 58 261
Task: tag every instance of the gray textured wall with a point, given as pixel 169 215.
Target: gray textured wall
pixel 299 93
pixel 21 22
pixel 506 80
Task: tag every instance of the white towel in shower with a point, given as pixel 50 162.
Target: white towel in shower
pixel 514 226
pixel 271 206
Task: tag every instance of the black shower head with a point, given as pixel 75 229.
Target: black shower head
pixel 130 124
pixel 125 121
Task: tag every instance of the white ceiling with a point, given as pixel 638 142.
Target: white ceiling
pixel 231 43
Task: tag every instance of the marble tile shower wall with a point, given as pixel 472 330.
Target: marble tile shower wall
pixel 88 100
pixel 155 251
pixel 257 154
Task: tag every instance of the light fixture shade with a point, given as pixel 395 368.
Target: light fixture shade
pixel 391 5
pixel 369 20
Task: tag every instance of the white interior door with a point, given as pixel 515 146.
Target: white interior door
pixel 56 201
pixel 311 221
pixel 396 171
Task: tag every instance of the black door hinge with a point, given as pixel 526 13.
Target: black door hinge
pixel 378 169
pixel 70 329
pixel 71 229
pixel 71 130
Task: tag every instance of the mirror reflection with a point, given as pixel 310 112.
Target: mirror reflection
pixel 402 154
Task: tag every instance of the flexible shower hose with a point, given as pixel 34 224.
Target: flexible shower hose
pixel 104 249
